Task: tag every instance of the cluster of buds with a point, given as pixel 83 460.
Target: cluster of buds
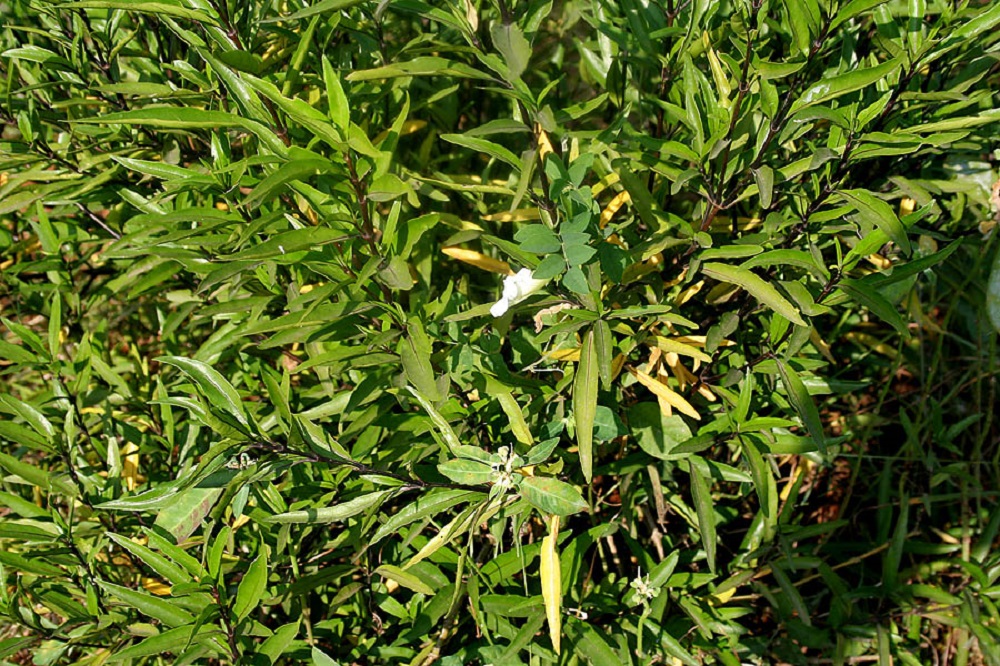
pixel 644 589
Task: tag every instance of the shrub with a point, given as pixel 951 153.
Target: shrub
pixel 498 333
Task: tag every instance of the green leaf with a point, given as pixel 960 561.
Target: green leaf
pixel 216 388
pixel 36 476
pixel 484 146
pixel 853 9
pixel 156 8
pixel 833 87
pixel 405 578
pixel 585 403
pixel 415 352
pixel 550 495
pixel 171 640
pixel 320 658
pixel 701 495
pixel 877 213
pixel 756 287
pixel 451 440
pixel 604 343
pixel 164 610
pixel 467 472
pixel 182 513
pixel 427 505
pixel 252 587
pixel 326 6
pixel 331 514
pixel 803 403
pixel 515 415
pixel 764 176
pixel 158 563
pixel 340 108
pixel 287 173
pixel 993 294
pixel 864 295
pixel 515 49
pixel 170 117
pixel 589 644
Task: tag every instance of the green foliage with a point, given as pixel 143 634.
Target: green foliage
pixel 737 403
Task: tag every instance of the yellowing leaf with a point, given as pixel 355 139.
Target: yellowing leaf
pixel 689 293
pixel 660 390
pixel 551 575
pixel 564 355
pixel 613 206
pixel 409 127
pixel 130 465
pixel 479 260
pixel 157 587
pixel 519 215
pixel 674 345
pixel 544 145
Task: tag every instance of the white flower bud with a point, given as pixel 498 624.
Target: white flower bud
pixel 516 288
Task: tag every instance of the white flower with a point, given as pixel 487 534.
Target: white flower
pixel 516 288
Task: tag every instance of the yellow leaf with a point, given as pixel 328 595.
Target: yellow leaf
pixel 906 206
pixel 742 224
pixel 616 366
pixel 879 261
pixel 613 206
pixel 409 127
pixel 571 355
pixel 478 259
pixel 821 345
pixel 519 215
pixel 551 574
pixel 689 293
pixel 604 183
pixel 674 345
pixel 660 390
pixel 130 465
pixel 157 587
pixel 871 342
pixel 544 145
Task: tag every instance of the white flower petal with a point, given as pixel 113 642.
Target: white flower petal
pixel 500 308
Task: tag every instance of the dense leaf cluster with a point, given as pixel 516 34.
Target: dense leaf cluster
pixel 498 331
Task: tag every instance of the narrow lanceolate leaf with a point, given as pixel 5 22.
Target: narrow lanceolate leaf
pixel 550 495
pixel 878 213
pixel 484 146
pixel 833 87
pixel 161 8
pixel 875 302
pixel 405 578
pixel 428 504
pixel 585 403
pixel 590 645
pixel 252 587
pixel 993 295
pixel 518 425
pixel 701 495
pixel 331 514
pixel 803 403
pixel 443 428
pixel 661 390
pixel 756 287
pixel 215 387
pixel 415 352
pixel 153 560
pixel 604 343
pixel 169 641
pixel 163 610
pixel 551 574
